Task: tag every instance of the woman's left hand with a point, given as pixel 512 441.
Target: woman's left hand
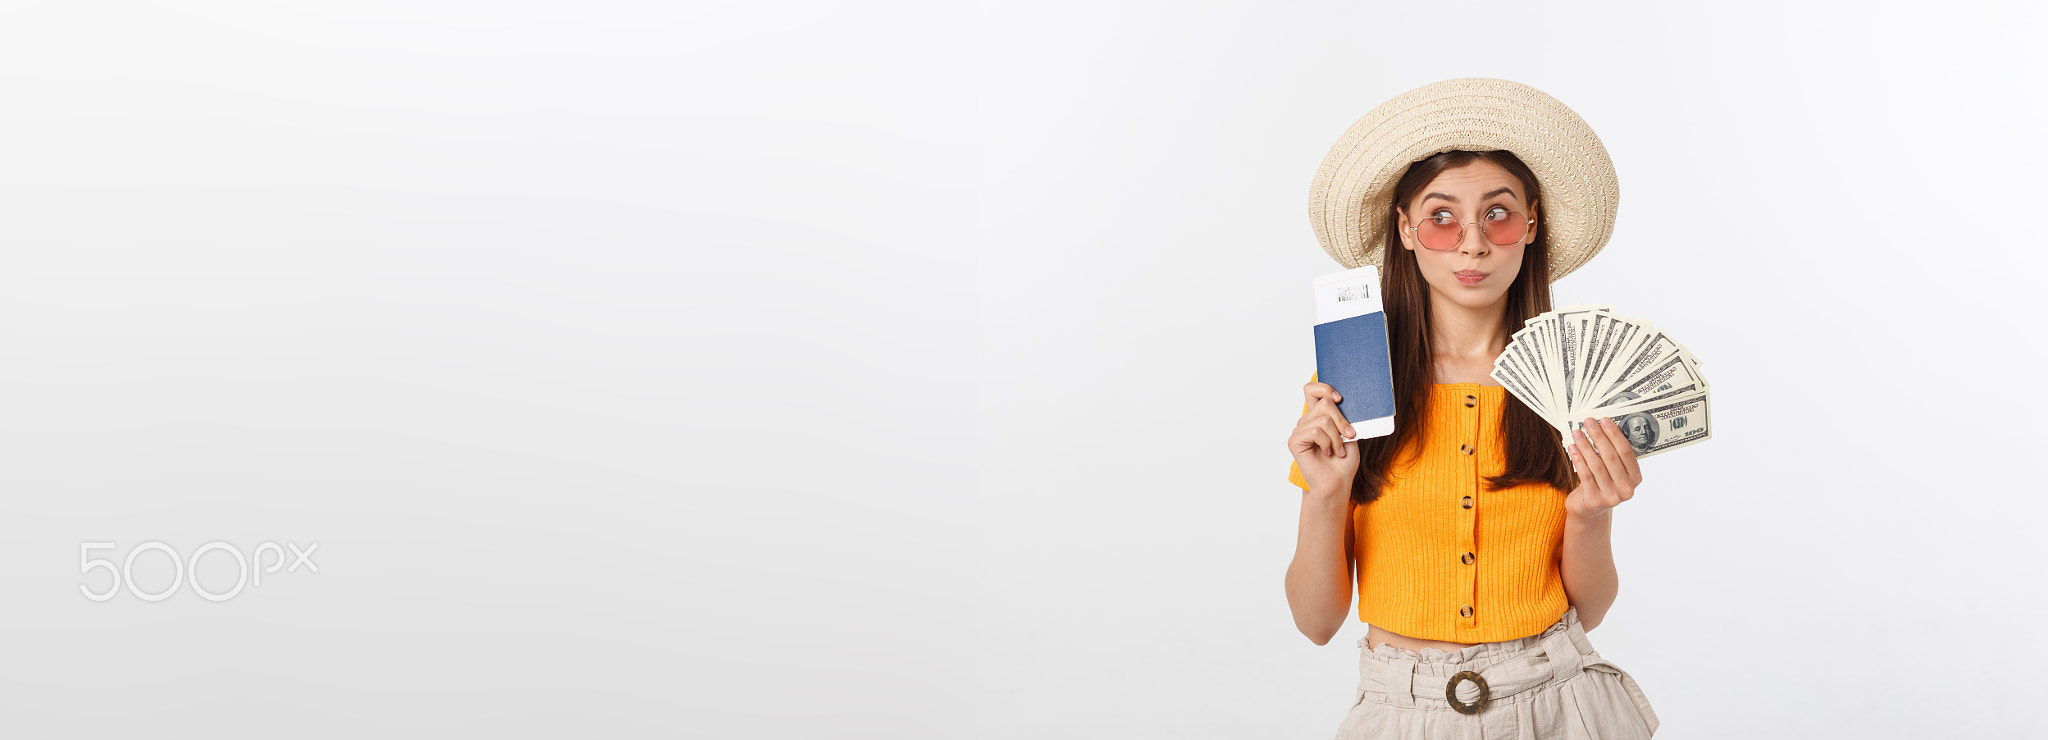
pixel 1608 475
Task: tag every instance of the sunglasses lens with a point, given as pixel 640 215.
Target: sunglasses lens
pixel 1504 227
pixel 1439 233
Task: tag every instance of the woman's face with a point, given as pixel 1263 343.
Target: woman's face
pixel 1476 273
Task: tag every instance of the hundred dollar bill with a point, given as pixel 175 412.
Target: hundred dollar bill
pixel 1513 380
pixel 1583 322
pixel 1611 331
pixel 1690 359
pixel 1527 348
pixel 1570 342
pixel 1546 354
pixel 1658 426
pixel 1611 369
pixel 1536 336
pixel 1656 349
pixel 1590 326
pixel 1662 392
pixel 1674 374
pixel 1621 334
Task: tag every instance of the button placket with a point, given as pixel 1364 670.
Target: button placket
pixel 1468 581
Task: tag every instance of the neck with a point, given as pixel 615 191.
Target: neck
pixel 1464 333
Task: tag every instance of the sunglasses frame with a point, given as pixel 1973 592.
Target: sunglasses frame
pixel 1412 231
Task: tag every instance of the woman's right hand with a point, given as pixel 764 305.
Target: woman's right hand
pixel 1322 446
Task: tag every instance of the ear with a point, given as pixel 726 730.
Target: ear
pixel 1401 217
pixel 1534 208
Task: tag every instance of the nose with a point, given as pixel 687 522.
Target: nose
pixel 1473 241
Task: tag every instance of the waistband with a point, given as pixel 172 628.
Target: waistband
pixel 1509 667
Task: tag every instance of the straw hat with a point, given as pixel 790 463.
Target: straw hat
pixel 1348 202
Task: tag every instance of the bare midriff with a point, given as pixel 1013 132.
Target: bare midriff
pixel 1375 637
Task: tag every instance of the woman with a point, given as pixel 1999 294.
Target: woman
pixel 1477 537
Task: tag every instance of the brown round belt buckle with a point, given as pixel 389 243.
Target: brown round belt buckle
pixel 1451 692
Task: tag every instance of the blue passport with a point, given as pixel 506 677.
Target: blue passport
pixel 1351 349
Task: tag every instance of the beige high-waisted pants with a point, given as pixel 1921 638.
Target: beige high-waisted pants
pixel 1548 685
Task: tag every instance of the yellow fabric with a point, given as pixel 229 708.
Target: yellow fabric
pixel 1412 579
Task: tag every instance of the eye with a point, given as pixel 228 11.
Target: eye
pixel 1497 213
pixel 1443 217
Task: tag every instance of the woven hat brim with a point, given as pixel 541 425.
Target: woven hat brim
pixel 1352 190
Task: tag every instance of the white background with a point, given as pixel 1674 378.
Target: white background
pixel 851 371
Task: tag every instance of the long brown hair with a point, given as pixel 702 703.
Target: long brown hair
pixel 1535 453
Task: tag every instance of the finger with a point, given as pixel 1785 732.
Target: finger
pixel 1329 408
pixel 1603 448
pixel 1304 440
pixel 1337 426
pixel 1596 468
pixel 1620 453
pixel 1307 439
pixel 1311 416
pixel 1609 461
pixel 1633 471
pixel 1338 432
pixel 1326 445
pixel 1326 415
pixel 1312 438
pixel 1311 392
pixel 1586 482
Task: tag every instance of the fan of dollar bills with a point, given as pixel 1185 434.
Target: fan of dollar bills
pixel 1586 360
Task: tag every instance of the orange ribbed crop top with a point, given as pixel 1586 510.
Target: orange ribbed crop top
pixel 1442 558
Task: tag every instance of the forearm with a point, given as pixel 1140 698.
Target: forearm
pixel 1588 566
pixel 1319 577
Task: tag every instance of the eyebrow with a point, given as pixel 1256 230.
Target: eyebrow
pixel 1497 191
